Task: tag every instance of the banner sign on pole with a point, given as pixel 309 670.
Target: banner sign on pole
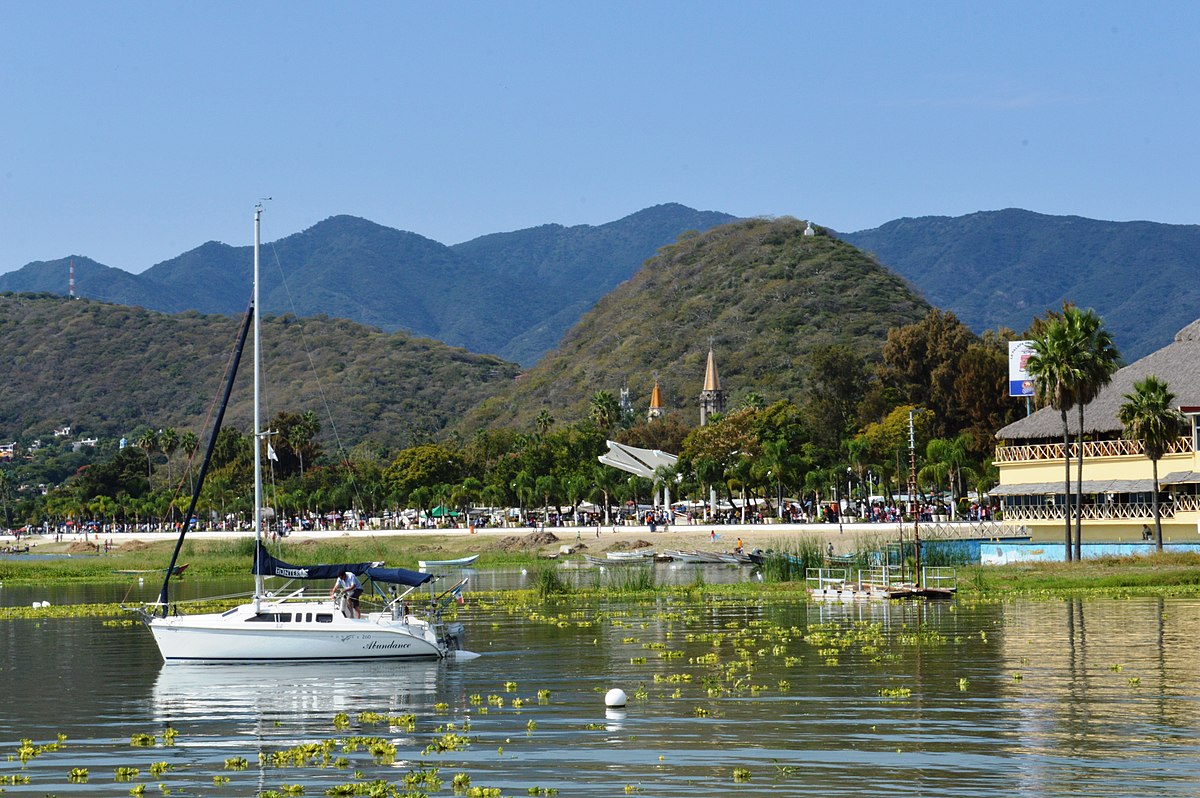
pixel 1019 381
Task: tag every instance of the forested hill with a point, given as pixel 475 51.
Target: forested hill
pixel 511 294
pixel 1002 268
pixel 107 369
pixel 766 295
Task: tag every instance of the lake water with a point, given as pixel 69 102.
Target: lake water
pixel 1079 697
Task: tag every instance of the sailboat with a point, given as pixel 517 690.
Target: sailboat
pixel 286 624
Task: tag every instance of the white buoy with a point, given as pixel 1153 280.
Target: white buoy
pixel 615 698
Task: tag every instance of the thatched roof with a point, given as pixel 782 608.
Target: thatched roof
pixel 1178 364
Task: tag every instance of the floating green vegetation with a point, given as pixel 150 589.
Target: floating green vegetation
pixel 14 779
pixel 341 721
pixel 484 792
pixel 138 740
pixel 302 755
pixel 426 778
pixel 406 722
pixel 447 742
pixel 27 750
pixel 546 791
pixel 125 773
pixel 895 692
pixel 236 763
pixel 77 775
pixel 741 774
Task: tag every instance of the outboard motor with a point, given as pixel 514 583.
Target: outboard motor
pixel 455 634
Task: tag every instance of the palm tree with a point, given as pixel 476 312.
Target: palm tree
pixel 1149 415
pixel 5 494
pixel 148 443
pixel 605 410
pixel 1056 371
pixel 190 442
pixel 544 422
pixel 547 487
pixel 1100 360
pixel 605 480
pixel 953 455
pixel 168 442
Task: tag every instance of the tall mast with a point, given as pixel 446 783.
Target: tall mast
pixel 258 579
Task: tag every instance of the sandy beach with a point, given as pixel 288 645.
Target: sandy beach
pixel 703 537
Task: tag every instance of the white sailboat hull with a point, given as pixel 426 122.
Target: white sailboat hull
pixel 322 633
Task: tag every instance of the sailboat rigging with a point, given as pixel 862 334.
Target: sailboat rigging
pixel 282 626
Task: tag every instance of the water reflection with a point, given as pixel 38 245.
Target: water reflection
pixel 245 694
pixel 1021 697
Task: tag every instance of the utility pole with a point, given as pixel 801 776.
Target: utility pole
pixel 912 488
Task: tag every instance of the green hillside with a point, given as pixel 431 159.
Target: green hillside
pixel 762 291
pixel 107 369
pixel 1002 268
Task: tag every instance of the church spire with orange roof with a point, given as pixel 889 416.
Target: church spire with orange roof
pixel 656 407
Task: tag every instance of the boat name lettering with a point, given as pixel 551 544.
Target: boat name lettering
pixel 293 573
pixel 392 644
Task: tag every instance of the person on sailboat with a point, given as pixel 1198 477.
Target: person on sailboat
pixel 348 583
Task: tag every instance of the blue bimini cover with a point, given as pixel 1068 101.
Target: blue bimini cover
pixel 272 566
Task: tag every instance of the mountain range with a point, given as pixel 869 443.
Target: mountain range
pixel 517 294
pixel 510 294
pixel 1002 268
pixel 764 293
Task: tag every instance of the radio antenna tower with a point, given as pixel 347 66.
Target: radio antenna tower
pixel 71 280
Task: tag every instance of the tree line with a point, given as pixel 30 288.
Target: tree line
pixel 847 437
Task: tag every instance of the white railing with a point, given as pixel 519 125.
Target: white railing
pixel 1118 447
pixel 1097 512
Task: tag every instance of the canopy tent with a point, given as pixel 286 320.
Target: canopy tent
pixel 640 462
pixel 442 511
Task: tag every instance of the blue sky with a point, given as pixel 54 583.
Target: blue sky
pixel 135 131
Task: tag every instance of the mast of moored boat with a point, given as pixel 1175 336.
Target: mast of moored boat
pixel 258 578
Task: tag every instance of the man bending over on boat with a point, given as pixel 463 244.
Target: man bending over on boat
pixel 349 584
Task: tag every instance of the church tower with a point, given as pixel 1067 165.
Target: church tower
pixel 712 398
pixel 656 408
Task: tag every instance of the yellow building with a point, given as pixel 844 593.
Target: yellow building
pixel 1117 476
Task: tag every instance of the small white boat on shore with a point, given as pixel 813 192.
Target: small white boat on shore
pixel 640 555
pixel 461 562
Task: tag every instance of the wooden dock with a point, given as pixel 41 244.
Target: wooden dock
pixel 878 584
